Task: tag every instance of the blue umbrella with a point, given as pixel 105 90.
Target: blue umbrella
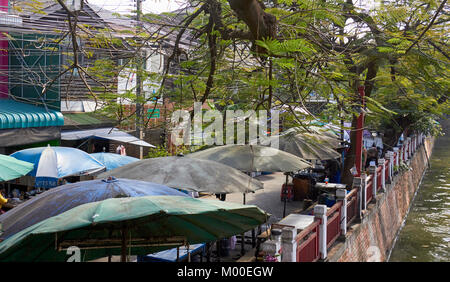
pixel 66 197
pixel 52 163
pixel 112 161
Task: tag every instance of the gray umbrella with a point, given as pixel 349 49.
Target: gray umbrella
pixel 251 158
pixel 188 174
pixel 306 146
pixel 318 135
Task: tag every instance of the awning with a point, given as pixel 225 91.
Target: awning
pixel 15 114
pixel 104 133
pixel 30 135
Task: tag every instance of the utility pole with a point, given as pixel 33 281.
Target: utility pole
pixel 359 133
pixel 139 106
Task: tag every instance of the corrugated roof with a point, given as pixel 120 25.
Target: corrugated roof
pixel 15 114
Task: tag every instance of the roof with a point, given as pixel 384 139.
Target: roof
pixel 48 14
pixel 15 114
pixel 85 120
pixel 104 133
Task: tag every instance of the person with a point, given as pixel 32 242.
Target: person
pixel 372 156
pixel 221 197
pixel 123 151
pixel 4 205
pixel 332 170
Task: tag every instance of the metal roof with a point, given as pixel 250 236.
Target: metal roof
pixel 15 114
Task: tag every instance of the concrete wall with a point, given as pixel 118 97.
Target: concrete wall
pixel 373 237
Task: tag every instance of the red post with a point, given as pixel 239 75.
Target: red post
pixel 359 134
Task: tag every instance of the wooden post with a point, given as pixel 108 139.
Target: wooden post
pixel 253 238
pixel 188 253
pixel 208 252
pixel 243 244
pixel 285 194
pixel 123 256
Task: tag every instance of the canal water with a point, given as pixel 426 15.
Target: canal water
pixel 425 237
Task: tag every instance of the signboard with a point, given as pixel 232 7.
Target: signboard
pixel 156 113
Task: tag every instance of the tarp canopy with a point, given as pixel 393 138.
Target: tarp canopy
pixel 112 161
pixel 104 133
pixel 136 226
pixel 12 168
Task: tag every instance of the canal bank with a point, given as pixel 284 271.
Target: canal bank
pixel 425 236
pixel 373 237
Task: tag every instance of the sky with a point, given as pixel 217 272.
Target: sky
pixel 152 6
pixel 155 6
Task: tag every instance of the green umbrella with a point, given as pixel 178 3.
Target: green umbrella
pixel 12 168
pixel 135 226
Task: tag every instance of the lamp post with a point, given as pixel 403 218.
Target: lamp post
pixel 139 106
pixel 359 133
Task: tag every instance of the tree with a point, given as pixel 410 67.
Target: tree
pixel 251 54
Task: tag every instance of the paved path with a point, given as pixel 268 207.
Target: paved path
pixel 268 199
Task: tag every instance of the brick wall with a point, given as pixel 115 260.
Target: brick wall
pixel 372 238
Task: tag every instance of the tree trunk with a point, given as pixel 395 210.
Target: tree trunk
pixel 350 157
pixel 261 24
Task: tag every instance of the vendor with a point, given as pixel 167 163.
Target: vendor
pixel 4 205
pixel 333 170
pixel 372 156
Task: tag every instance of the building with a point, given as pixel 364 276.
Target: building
pixel 28 118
